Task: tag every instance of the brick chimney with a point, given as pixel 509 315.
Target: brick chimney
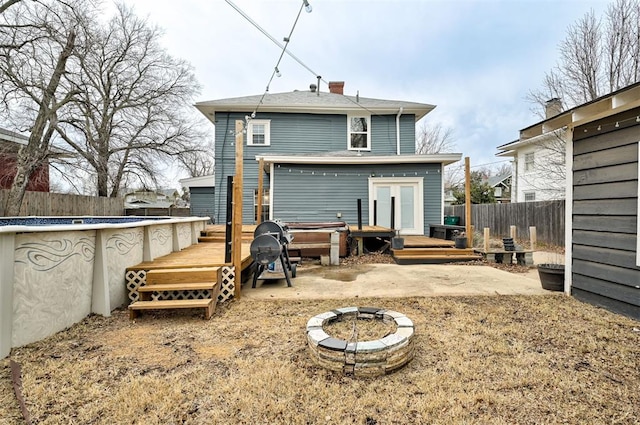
pixel 336 87
pixel 552 108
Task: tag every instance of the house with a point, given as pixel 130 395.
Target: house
pixel 501 185
pixel 201 195
pixel 145 198
pixel 10 143
pixel 539 171
pixel 321 152
pixel 602 238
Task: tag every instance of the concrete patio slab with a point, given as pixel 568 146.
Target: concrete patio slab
pixel 392 280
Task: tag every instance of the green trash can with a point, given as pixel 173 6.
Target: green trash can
pixel 451 220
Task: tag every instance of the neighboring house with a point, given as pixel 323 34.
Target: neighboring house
pixel 602 239
pixel 539 170
pixel 322 151
pixel 10 143
pixel 150 199
pixel 201 195
pixel 501 187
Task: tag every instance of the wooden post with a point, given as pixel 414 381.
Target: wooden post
pixel 467 201
pixel 512 232
pixel 486 239
pixel 237 211
pixel 260 189
pixel 533 237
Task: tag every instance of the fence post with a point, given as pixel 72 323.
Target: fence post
pixel 533 237
pixel 512 232
pixel 486 239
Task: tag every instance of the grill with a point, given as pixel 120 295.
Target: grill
pixel 270 240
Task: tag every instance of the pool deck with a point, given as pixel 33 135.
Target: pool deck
pixel 204 254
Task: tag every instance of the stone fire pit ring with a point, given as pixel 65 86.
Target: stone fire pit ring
pixel 362 358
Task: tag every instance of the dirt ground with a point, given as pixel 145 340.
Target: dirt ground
pixel 496 357
pixel 479 360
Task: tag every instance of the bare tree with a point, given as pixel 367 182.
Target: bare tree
pixel 434 138
pixel 37 39
pixel 598 56
pixel 7 4
pixel 198 163
pixel 131 114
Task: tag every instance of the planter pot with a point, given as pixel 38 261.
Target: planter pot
pixel 551 276
pixel 397 243
pixel 461 242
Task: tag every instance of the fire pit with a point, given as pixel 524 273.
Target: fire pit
pixel 361 358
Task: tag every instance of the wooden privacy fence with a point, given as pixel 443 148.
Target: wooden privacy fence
pixel 546 216
pixel 58 204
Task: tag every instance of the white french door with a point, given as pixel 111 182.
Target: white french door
pixel 408 205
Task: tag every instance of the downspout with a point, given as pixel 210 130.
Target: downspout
pixel 398 130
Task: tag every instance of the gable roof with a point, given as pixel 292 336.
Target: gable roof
pixel 496 180
pixel 312 102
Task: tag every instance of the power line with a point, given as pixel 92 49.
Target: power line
pixel 277 43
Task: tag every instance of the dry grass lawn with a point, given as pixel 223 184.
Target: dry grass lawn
pixel 484 360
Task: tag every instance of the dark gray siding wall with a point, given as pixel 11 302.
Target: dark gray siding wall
pixel 605 208
pixel 202 202
pixel 296 134
pixel 318 193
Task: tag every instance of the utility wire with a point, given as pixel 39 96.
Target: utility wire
pixel 275 69
pixel 277 43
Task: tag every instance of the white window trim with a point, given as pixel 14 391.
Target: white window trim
pixel 529 166
pixel 529 193
pixel 368 117
pixel 267 132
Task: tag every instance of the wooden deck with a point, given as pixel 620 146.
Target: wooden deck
pixel 371 231
pixel 199 255
pixel 411 241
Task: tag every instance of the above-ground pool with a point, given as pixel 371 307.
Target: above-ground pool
pixel 55 271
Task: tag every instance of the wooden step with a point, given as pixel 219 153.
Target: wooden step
pixel 431 251
pixel 161 287
pixel 435 259
pixel 209 305
pixel 182 275
pixel 146 291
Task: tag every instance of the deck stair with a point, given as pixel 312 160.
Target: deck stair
pixel 436 255
pixel 216 233
pixel 189 283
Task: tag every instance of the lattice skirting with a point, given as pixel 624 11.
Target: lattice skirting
pixel 228 286
pixel 136 278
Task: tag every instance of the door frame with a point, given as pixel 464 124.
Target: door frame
pixel 418 199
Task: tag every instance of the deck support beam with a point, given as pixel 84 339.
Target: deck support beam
pixel 237 210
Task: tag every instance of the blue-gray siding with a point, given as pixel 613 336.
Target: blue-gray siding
pixel 296 134
pixel 605 209
pixel 202 200
pixel 318 193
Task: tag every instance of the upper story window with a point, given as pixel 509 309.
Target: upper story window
pixel 259 133
pixel 528 161
pixel 359 132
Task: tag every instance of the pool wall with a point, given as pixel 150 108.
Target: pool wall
pixel 52 277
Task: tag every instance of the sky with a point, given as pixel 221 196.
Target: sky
pixel 476 60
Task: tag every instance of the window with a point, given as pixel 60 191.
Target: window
pixel 529 196
pixel 528 161
pixel 359 136
pixel 258 133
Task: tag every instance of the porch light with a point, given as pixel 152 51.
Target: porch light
pixel 307 6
